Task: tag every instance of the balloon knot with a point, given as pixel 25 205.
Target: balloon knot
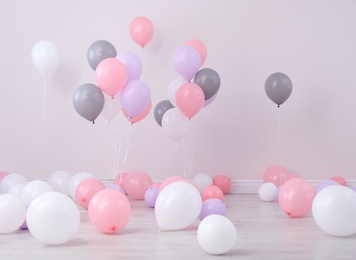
pixel 93 122
pixel 277 105
pixel 112 97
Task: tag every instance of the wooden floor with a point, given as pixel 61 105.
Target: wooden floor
pixel 263 232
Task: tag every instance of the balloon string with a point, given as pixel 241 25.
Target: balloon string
pixel 128 141
pixel 180 155
pixel 44 122
pixel 279 144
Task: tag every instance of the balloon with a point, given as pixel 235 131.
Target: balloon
pixel 209 80
pixel 175 124
pixel 177 206
pixel 33 189
pixel 290 177
pixel 10 180
pixel 59 180
pixel 88 101
pixel 212 206
pixel 132 63
pixel 296 197
pixel 116 187
pixel 86 189
pixel 216 234
pixel 135 97
pixel 278 87
pixel 53 218
pixel 275 174
pixel 2 175
pixel 45 56
pixel 151 195
pixel 99 51
pixel 200 48
pixel 120 179
pixel 161 108
pixel 141 30
pixel 267 191
pixel 140 116
pixel 170 180
pixel 186 62
pixel 324 184
pixel 212 192
pixel 112 106
pixel 190 99
pixel 136 184
pixel 223 182
pixel 109 210
pixel 173 88
pixel 75 180
pixel 207 102
pixel 16 189
pixel 111 76
pixel 12 213
pixel 340 180
pixel 334 210
pixel 202 181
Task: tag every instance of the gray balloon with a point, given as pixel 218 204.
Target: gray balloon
pixel 99 51
pixel 278 87
pixel 161 108
pixel 209 80
pixel 88 101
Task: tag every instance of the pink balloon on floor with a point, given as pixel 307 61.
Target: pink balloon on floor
pixel 86 189
pixel 213 192
pixel 2 175
pixel 275 174
pixel 170 180
pixel 290 177
pixel 223 182
pixel 340 180
pixel 136 184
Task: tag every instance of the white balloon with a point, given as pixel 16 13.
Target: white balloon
pixel 11 180
pixel 16 189
pixel 59 180
pixel 216 234
pixel 177 206
pixel 53 218
pixel 175 124
pixel 12 213
pixel 267 191
pixel 75 180
pixel 45 56
pixel 33 189
pixel 112 106
pixel 173 88
pixel 334 210
pixel 203 181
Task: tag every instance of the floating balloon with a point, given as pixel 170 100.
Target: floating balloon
pixel 12 213
pixel 132 63
pixel 209 80
pixel 45 56
pixel 278 87
pixel 111 76
pixel 186 62
pixel 200 47
pixel 99 51
pixel 161 108
pixel 140 116
pixel 141 30
pixel 88 101
pixel 112 106
pixel 267 191
pixel 173 88
pixel 175 124
pixel 190 99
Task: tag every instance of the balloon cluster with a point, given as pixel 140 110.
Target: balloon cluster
pixel 118 85
pixel 186 98
pixel 332 203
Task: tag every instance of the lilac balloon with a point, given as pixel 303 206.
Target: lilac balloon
pixel 24 226
pixel 277 192
pixel 116 187
pixel 132 63
pixel 325 184
pixel 186 62
pixel 212 206
pixel 210 100
pixel 151 196
pixel 135 97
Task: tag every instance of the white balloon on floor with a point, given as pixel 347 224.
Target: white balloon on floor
pixel 12 213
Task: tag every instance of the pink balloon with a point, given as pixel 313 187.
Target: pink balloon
pixel 340 180
pixel 141 30
pixel 296 197
pixel 200 48
pixel 109 210
pixel 86 189
pixel 186 62
pixel 2 175
pixel 223 182
pixel 111 76
pixel 135 97
pixel 120 179
pixel 190 99
pixel 170 180
pixel 212 192
pixel 290 177
pixel 136 184
pixel 156 184
pixel 275 174
pixel 140 116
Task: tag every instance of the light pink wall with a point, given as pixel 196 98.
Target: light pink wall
pixel 314 42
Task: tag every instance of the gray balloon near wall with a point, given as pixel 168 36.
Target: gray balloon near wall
pixel 99 51
pixel 209 80
pixel 88 101
pixel 278 87
pixel 161 108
